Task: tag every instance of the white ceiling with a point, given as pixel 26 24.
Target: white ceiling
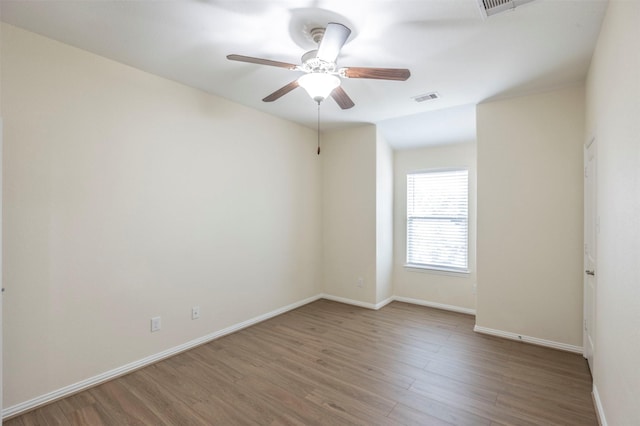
pixel 446 44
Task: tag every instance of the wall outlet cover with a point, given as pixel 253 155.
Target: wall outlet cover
pixel 155 324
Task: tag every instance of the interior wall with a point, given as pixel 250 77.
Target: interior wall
pixel 452 289
pixel 530 215
pixel 349 213
pixel 384 219
pixel 128 196
pixel 613 109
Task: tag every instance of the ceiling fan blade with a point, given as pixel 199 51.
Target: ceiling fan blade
pixel 281 92
pixel 341 98
pixel 261 61
pixel 335 36
pixel 400 74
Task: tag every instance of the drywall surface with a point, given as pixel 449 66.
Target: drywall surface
pixel 349 213
pixel 384 219
pixel 530 215
pixel 128 196
pixel 452 289
pixel 613 112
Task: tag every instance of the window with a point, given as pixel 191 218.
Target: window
pixel 437 220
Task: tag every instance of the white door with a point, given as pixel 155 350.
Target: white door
pixel 1 287
pixel 590 247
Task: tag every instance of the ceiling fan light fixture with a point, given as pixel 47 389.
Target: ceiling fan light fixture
pixel 319 85
pixel 321 79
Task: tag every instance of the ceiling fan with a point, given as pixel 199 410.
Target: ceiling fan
pixel 321 75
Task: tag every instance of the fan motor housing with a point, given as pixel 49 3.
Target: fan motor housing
pixel 310 63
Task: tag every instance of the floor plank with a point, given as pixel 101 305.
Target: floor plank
pixel 327 363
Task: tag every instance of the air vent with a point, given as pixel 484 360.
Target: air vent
pixel 426 97
pixel 491 7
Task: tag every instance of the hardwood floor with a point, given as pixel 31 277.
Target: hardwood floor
pixel 328 363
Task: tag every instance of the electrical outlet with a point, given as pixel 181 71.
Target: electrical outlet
pixel 195 312
pixel 155 324
pixel 360 282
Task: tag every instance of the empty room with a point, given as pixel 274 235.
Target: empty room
pixel 404 212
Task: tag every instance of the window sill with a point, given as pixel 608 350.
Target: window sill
pixel 442 271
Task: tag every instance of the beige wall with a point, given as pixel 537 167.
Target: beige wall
pixel 530 192
pixel 451 289
pixel 384 219
pixel 613 118
pixel 128 196
pixel 349 213
pixel 124 198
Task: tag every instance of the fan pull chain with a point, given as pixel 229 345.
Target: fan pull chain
pixel 318 127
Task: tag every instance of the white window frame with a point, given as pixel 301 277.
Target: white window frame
pixel 440 267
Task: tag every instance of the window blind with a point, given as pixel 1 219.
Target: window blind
pixel 437 219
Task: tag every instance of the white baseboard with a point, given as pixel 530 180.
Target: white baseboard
pixel 359 303
pixel 399 299
pixel 529 339
pixel 385 302
pixel 602 420
pixel 350 301
pixel 128 368
pixel 435 305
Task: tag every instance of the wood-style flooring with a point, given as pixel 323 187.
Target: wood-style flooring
pixel 327 363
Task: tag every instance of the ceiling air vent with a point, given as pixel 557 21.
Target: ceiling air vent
pixel 491 7
pixel 426 97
